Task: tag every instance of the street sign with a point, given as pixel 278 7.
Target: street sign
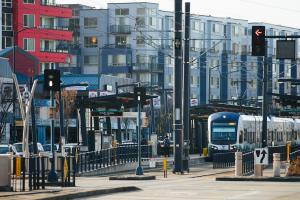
pixel 107 113
pixel 261 156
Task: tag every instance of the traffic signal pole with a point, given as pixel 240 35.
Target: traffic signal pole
pixel 186 89
pixel 265 99
pixel 177 94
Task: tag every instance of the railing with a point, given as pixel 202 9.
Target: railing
pixel 223 160
pixel 54 50
pixel 278 149
pixel 120 29
pixel 248 163
pixel 122 154
pixel 51 3
pixel 29 173
pixel 63 28
pixel 294 155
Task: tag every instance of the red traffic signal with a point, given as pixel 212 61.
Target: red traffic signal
pixel 258 41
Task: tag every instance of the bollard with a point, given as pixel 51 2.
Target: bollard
pixel 258 170
pixel 238 163
pixel 288 148
pixel 165 167
pixel 276 164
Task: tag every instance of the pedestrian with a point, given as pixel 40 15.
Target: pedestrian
pixel 166 143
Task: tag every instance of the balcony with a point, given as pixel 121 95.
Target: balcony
pixel 147 67
pixel 120 29
pixel 49 8
pixel 54 50
pixel 51 27
pixel 50 3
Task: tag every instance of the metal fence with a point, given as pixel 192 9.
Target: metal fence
pixel 223 160
pixel 248 163
pixel 122 154
pixel 277 149
pixel 28 174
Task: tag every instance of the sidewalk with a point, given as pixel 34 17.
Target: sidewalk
pixel 96 186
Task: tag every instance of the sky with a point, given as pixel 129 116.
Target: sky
pixel 279 12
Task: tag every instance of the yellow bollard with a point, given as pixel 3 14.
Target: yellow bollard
pixel 204 152
pixel 288 148
pixel 165 167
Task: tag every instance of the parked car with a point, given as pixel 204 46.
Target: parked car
pixel 17 148
pixel 5 148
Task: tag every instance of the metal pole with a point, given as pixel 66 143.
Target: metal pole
pixel 33 126
pixel 14 131
pixel 177 94
pixel 265 98
pixel 52 176
pixel 61 124
pixel 139 169
pixel 186 89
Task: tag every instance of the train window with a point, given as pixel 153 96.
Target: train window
pixel 241 137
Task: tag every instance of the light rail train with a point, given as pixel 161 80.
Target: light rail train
pixel 228 131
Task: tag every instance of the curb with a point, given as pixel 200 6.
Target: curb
pixel 261 179
pixel 132 178
pixel 99 192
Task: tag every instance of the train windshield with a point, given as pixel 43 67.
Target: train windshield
pixel 223 133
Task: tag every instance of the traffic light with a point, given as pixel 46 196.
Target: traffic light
pixel 52 79
pixel 258 41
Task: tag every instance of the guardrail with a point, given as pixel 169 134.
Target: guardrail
pixel 122 154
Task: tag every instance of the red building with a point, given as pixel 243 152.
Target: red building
pixel 41 28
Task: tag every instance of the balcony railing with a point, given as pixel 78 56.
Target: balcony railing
pixel 147 67
pixel 54 50
pixel 63 28
pixel 125 29
pixel 49 3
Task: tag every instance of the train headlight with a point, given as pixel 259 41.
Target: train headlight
pixel 214 147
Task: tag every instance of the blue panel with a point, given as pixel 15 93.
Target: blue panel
pixel 294 76
pixel 161 65
pixel 120 69
pixel 244 82
pixel 281 75
pixel 224 77
pixel 203 77
pixel 41 134
pixel 260 69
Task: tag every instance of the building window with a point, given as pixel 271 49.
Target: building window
pixel 7 3
pixel 6 21
pixel 216 28
pixel 29 44
pixel 140 21
pixel 7 42
pixel 90 42
pixel 28 20
pixel 90 22
pixel 28 1
pixel 117 60
pixel 122 11
pixel 121 40
pixel 90 60
pixel 140 40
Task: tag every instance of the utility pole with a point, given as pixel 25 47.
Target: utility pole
pixel 186 89
pixel 177 94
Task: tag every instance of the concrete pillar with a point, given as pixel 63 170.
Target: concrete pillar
pixel 258 170
pixel 276 164
pixel 238 163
